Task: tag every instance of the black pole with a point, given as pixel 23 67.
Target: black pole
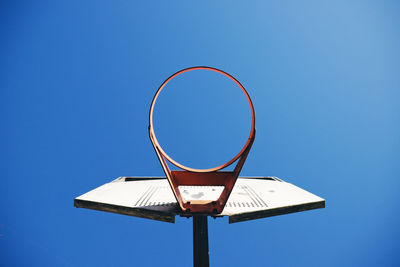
pixel 200 242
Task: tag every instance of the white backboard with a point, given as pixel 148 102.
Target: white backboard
pixel 152 198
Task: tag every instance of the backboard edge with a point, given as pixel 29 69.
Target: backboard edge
pixel 246 216
pixel 135 212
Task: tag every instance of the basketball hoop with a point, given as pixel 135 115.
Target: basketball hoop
pixel 199 193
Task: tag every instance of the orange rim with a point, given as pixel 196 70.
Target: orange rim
pixel 177 164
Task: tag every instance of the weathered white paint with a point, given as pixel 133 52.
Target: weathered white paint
pixel 190 193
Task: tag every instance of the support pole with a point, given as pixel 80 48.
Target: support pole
pixel 200 242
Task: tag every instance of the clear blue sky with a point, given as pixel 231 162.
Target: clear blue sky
pixel 76 82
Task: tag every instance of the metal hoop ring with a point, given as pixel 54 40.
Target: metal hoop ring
pixel 153 135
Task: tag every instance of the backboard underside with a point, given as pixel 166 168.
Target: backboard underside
pixel 152 198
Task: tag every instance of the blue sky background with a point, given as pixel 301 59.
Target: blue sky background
pixel 77 79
